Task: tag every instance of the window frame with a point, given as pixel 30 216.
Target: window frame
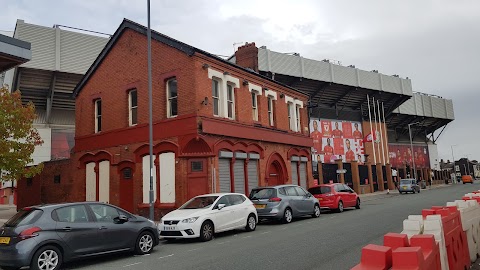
pixel 289 109
pixel 131 107
pixel 297 118
pixel 254 106
pixel 270 111
pixel 85 208
pixel 98 117
pixel 230 102
pixel 169 98
pixel 216 99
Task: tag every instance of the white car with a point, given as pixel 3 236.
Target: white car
pixel 207 214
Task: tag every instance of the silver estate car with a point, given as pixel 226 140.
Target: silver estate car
pixel 284 202
pixel 408 185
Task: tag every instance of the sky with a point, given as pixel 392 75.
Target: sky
pixel 436 43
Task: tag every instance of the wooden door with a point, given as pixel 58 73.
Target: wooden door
pixel 126 189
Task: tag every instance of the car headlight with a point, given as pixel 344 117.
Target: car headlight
pixel 190 220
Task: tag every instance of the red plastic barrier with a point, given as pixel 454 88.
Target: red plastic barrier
pixel 395 240
pixel 455 237
pixel 410 258
pixel 375 257
pixel 430 249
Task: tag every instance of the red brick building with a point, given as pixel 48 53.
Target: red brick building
pixel 217 127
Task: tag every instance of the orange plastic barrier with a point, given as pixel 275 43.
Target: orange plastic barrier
pixel 455 237
pixel 430 249
pixel 375 257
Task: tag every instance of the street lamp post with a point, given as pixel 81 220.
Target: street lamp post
pixel 454 168
pixel 411 149
pixel 150 109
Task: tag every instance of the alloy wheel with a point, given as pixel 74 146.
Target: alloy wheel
pixel 48 260
pixel 146 243
pixel 340 206
pixel 288 215
pixel 317 211
pixel 252 222
pixel 207 231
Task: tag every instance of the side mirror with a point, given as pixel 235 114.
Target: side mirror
pixel 121 219
pixel 309 195
pixel 220 206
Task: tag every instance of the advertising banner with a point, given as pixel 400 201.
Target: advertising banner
pixel 336 139
pixel 401 154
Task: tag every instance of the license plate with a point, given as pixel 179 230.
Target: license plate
pixel 320 199
pixel 4 240
pixel 260 206
pixel 404 187
pixel 169 228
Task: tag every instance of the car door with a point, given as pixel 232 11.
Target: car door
pixel 340 190
pixel 77 229
pixel 113 235
pixel 305 204
pixel 222 218
pixel 352 198
pixel 240 210
pixel 294 200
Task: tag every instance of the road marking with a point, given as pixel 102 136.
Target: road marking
pixel 193 249
pixel 163 257
pixel 221 243
pixel 132 264
pixel 265 232
pixel 332 217
pixel 248 236
pixel 148 254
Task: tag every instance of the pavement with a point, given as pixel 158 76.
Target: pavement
pixel 6 212
pixel 332 241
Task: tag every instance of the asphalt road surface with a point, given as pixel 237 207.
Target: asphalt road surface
pixel 333 241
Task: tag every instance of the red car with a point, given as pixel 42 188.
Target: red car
pixel 335 196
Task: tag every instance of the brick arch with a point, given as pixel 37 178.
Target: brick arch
pixel 298 152
pixel 161 147
pixel 223 144
pixel 255 148
pixel 90 157
pixel 126 164
pixel 277 160
pixel 197 146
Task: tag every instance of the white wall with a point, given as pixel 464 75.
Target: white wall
pixel 104 181
pixel 43 152
pixel 91 182
pixel 146 179
pixel 433 153
pixel 167 178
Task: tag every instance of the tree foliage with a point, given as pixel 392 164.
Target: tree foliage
pixel 18 137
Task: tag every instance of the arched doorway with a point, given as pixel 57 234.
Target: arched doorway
pixel 276 173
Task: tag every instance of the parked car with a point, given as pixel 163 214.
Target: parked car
pixel 43 237
pixel 408 185
pixel 284 202
pixel 335 196
pixel 467 179
pixel 203 216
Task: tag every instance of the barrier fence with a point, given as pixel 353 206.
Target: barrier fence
pixel 442 237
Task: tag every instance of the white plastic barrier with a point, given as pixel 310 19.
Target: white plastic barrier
pixel 433 225
pixel 469 213
pixel 413 225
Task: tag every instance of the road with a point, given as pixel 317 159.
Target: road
pixel 333 241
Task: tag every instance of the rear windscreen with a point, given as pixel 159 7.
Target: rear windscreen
pixel 405 182
pixel 24 217
pixel 320 190
pixel 263 193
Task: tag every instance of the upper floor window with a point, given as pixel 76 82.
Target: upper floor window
pixel 216 97
pixel 230 102
pixel 132 107
pixel 172 93
pixel 297 118
pixel 254 106
pixel 289 108
pixel 98 115
pixel 270 111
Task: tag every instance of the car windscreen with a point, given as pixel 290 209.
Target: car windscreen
pixel 199 202
pixel 320 190
pixel 263 193
pixel 24 217
pixel 405 182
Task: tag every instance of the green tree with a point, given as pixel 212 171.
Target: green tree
pixel 18 137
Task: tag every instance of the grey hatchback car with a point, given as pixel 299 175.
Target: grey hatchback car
pixel 408 185
pixel 43 237
pixel 284 202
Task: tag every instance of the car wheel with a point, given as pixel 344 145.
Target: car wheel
pixel 287 215
pixel 464 183
pixel 413 191
pixel 316 211
pixel 144 244
pixel 358 203
pixel 206 231
pixel 47 258
pixel 251 223
pixel 340 207
pixel 419 190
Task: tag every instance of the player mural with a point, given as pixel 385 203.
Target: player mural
pixel 335 139
pixel 401 154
